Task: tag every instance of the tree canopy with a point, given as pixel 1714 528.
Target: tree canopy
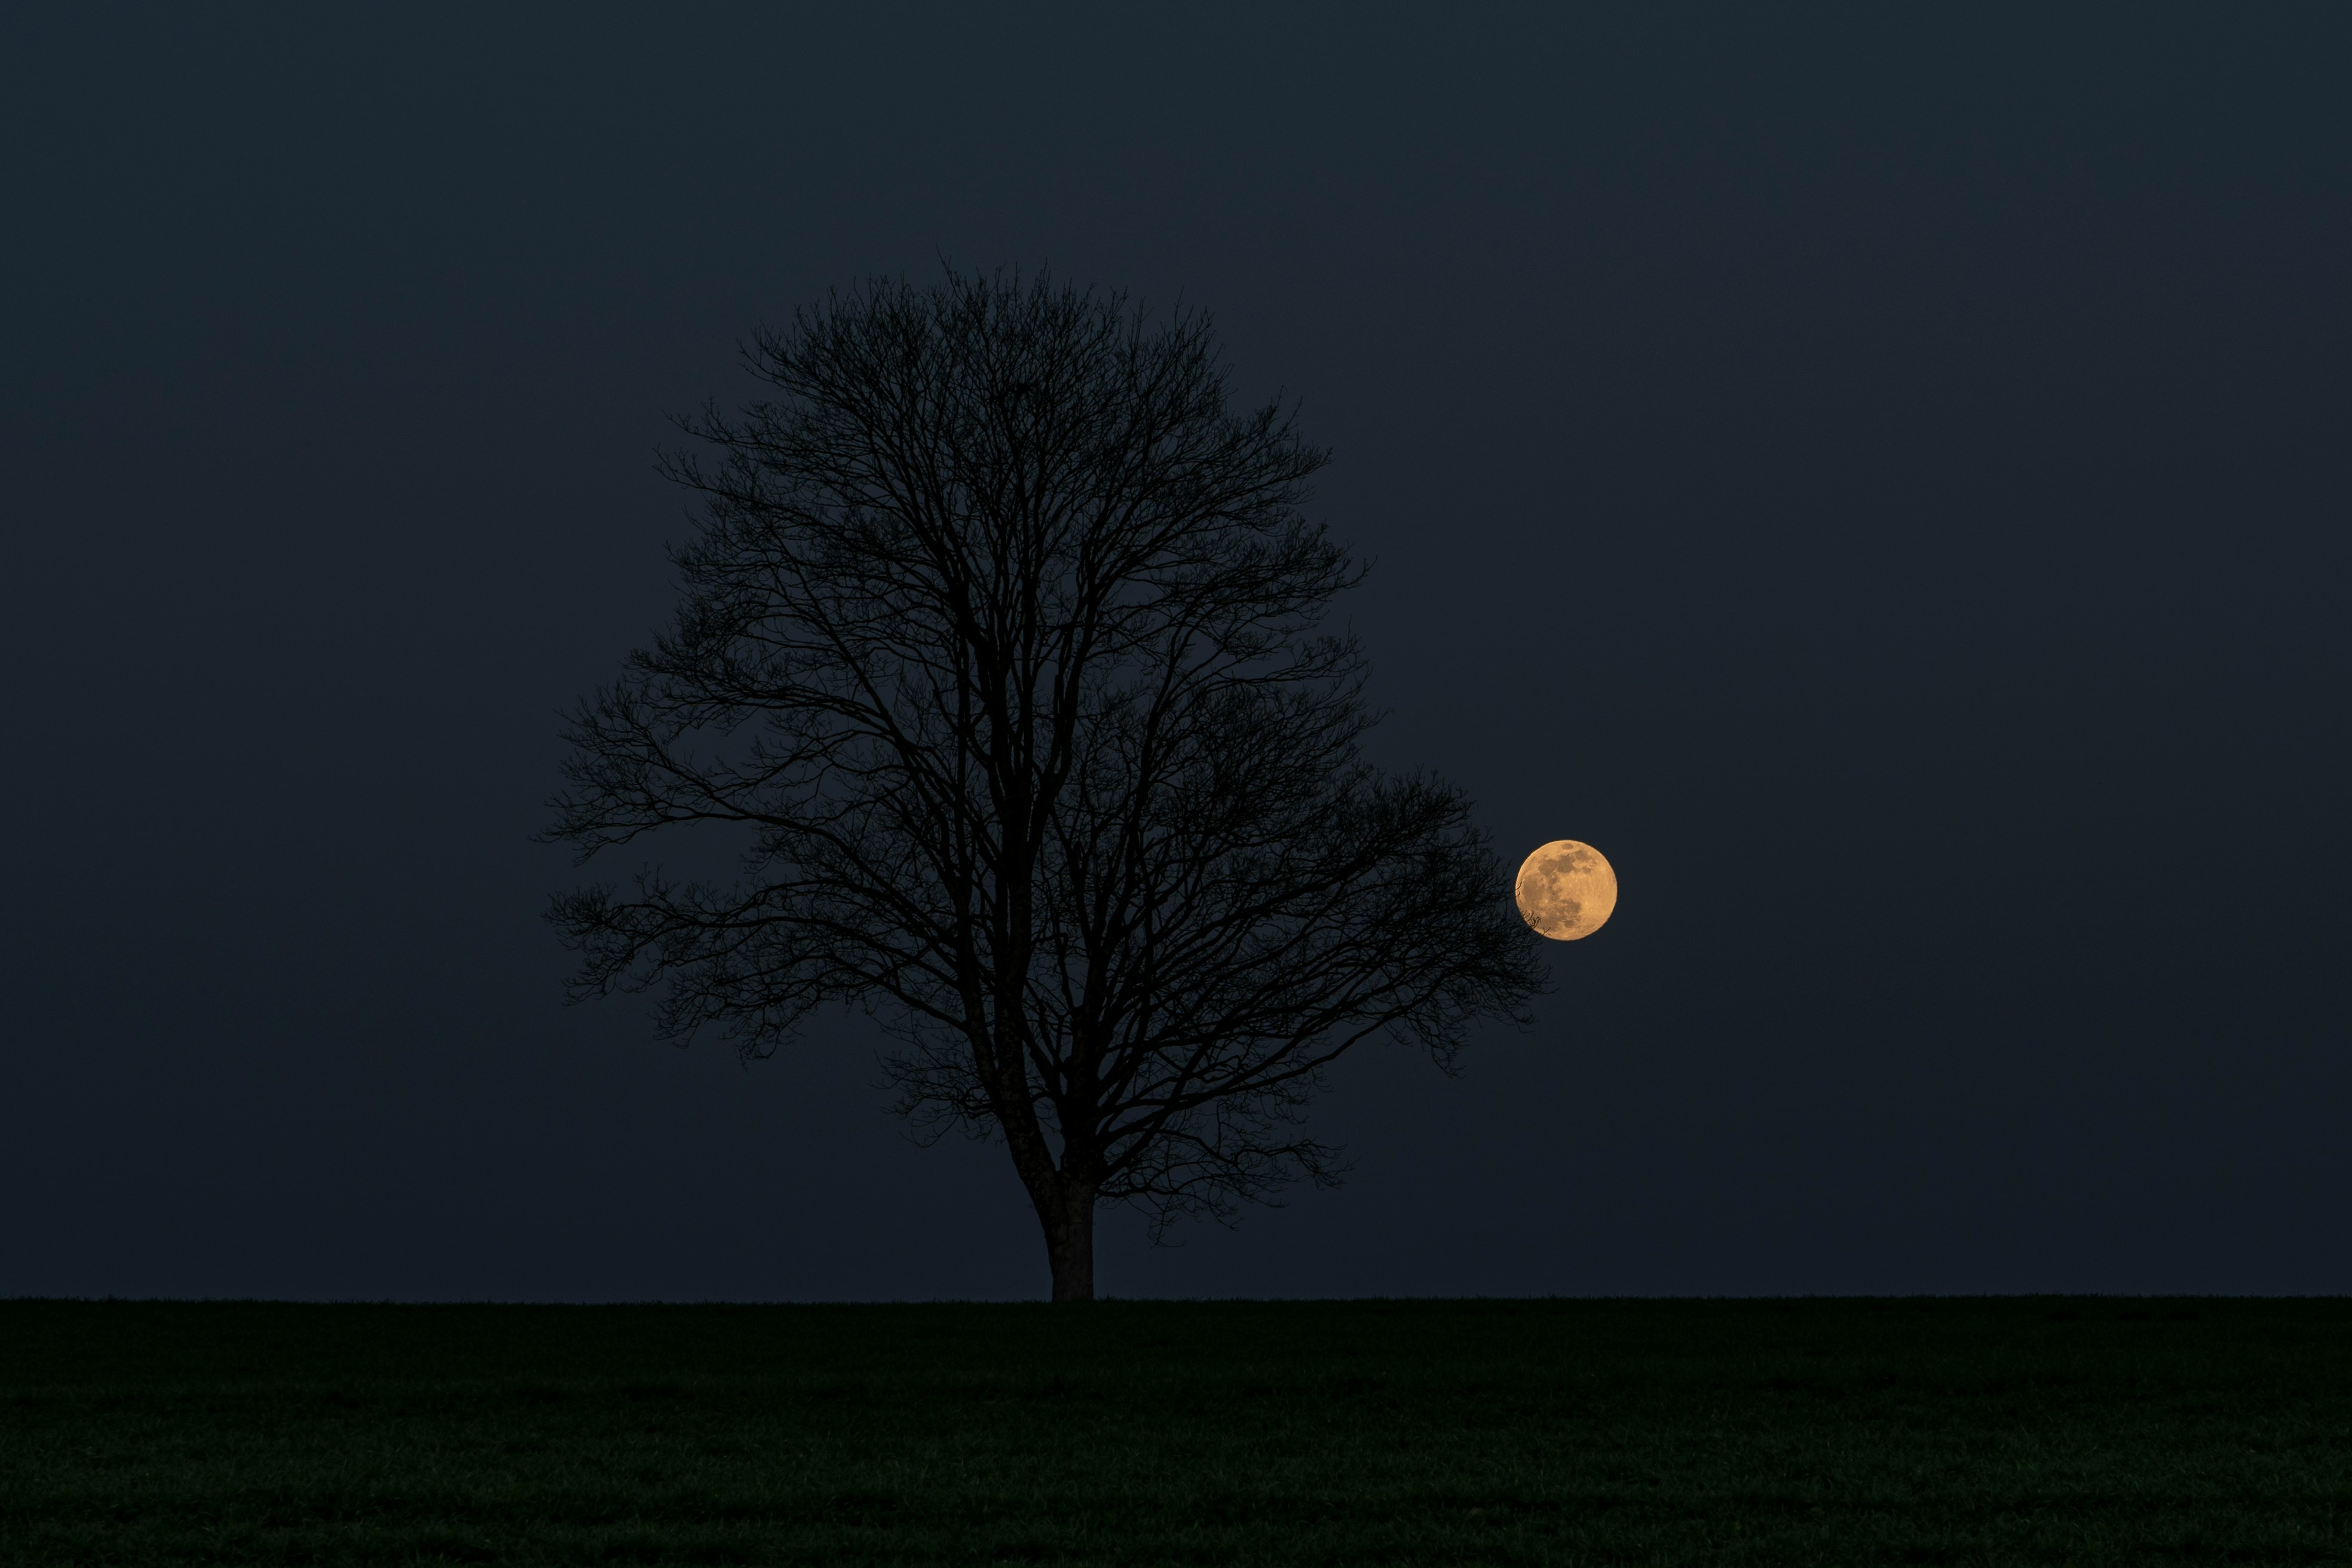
pixel 1002 651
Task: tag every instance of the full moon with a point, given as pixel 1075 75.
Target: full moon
pixel 1567 890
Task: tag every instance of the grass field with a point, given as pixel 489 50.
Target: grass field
pixel 2023 1431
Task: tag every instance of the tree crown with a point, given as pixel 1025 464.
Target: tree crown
pixel 1002 643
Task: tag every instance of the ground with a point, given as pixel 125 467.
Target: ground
pixel 1972 1431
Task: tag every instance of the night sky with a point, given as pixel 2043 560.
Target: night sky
pixel 1884 483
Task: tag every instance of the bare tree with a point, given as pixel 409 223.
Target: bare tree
pixel 1000 650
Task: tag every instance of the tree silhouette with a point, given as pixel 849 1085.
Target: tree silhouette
pixel 999 648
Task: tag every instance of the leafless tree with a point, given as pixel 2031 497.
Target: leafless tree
pixel 1000 650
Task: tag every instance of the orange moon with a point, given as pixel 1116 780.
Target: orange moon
pixel 1566 889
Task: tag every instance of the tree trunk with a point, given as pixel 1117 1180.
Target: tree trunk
pixel 1068 1214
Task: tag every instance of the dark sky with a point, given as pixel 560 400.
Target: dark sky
pixel 1883 482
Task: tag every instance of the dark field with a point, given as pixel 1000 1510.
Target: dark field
pixel 2023 1431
